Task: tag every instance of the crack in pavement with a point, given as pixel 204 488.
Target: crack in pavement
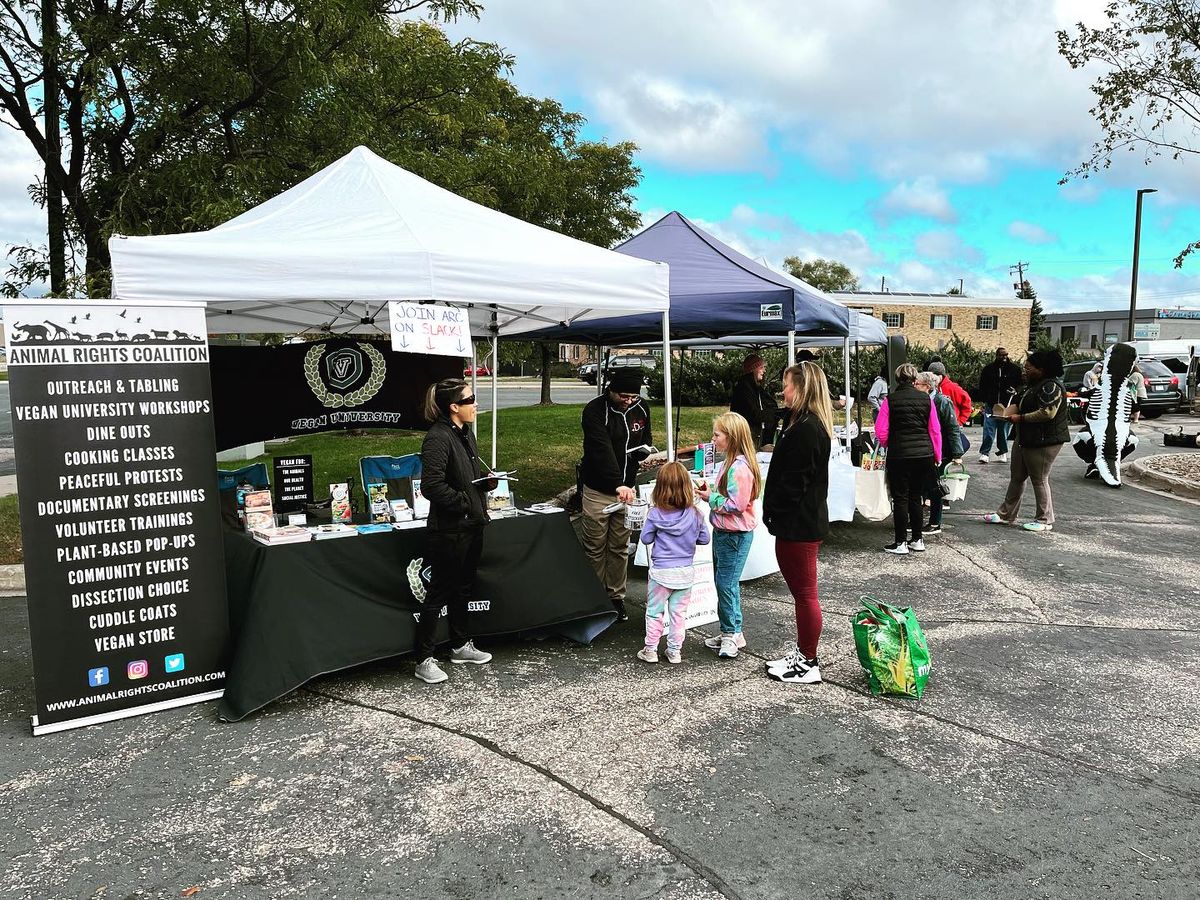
pixel 1141 780
pixel 953 545
pixel 687 859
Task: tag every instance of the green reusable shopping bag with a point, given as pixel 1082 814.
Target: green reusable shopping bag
pixel 891 647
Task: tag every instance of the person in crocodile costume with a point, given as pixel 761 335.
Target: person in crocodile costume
pixel 1106 437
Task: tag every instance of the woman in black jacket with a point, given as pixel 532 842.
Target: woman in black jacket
pixel 1041 422
pixel 452 483
pixel 907 424
pixel 796 513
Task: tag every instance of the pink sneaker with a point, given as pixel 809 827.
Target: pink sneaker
pixel 994 519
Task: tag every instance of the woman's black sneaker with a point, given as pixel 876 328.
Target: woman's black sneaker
pixel 622 615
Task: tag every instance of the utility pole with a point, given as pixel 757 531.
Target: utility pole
pixel 960 287
pixel 1019 269
pixel 882 282
pixel 1137 245
pixel 55 221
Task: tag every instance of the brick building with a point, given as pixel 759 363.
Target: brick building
pixel 932 319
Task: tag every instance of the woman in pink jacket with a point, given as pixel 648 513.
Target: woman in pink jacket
pixel 907 424
pixel 731 503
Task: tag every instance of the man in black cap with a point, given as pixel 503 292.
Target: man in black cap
pixel 616 437
pixel 753 402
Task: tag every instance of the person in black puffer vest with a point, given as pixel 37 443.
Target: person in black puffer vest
pixel 450 481
pixel 1041 430
pixel 907 424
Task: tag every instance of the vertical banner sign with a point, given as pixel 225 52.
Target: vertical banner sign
pixel 293 483
pixel 120 518
pixel 429 328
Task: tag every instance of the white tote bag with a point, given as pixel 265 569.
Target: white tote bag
pixel 871 494
pixel 842 489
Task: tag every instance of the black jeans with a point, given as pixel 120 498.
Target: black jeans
pixel 452 557
pixel 908 479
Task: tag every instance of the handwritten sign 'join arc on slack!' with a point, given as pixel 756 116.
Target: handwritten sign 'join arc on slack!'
pixel 430 328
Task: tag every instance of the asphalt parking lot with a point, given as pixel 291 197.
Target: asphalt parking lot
pixel 1055 753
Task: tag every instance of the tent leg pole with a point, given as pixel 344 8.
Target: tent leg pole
pixel 601 363
pixel 679 408
pixel 791 349
pixel 666 325
pixel 495 411
pixel 857 381
pixel 474 366
pixel 846 383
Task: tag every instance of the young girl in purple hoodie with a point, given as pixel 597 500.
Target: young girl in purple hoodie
pixel 674 526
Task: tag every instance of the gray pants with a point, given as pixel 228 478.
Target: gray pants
pixel 605 541
pixel 1033 463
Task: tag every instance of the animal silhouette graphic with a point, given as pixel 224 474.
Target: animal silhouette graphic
pixel 104 336
pixel 122 336
pixel 59 331
pixel 160 335
pixel 83 338
pixel 183 336
pixel 122 313
pixel 73 318
pixel 32 332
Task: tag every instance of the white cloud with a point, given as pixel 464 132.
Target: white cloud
pixel 689 129
pixel 21 221
pixel 1031 233
pixel 946 245
pixel 920 197
pixel 919 88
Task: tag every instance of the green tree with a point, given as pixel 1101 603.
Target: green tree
pixel 181 114
pixel 1148 96
pixel 1037 322
pixel 823 274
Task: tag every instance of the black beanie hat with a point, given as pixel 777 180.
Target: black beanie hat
pixel 626 380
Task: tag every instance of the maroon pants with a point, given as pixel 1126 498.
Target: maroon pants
pixel 798 563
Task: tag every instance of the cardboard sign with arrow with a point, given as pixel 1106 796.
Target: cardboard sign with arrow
pixel 429 328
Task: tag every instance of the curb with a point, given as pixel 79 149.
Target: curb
pixel 1139 472
pixel 12 581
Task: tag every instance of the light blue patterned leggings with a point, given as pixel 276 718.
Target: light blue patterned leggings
pixel 663 603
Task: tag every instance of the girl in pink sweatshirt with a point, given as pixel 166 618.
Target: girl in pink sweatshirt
pixel 731 504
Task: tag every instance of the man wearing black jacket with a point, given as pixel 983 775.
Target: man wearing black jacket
pixel 753 402
pixel 998 382
pixel 616 437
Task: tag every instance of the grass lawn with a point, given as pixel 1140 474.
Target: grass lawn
pixel 541 443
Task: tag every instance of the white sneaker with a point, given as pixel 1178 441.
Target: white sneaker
pixel 648 654
pixel 714 642
pixel 786 661
pixel 801 671
pixel 898 549
pixel 674 657
pixel 468 654
pixel 917 546
pixel 1002 457
pixel 430 672
pixel 983 458
pixel 729 647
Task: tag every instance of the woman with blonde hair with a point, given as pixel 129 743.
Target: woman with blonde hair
pixel 731 505
pixel 795 510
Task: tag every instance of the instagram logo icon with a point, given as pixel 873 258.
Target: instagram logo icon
pixel 136 669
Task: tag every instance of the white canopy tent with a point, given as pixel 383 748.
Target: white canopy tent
pixel 327 255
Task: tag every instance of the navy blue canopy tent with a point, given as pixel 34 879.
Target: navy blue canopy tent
pixel 716 292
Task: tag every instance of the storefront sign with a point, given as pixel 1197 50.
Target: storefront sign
pixel 120 522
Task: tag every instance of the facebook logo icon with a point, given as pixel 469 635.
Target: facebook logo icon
pixel 98 677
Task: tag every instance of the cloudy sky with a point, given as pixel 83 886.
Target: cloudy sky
pixel 918 141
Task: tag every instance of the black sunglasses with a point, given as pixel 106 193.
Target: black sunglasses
pixel 465 401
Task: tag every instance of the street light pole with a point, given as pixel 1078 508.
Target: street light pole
pixel 1137 241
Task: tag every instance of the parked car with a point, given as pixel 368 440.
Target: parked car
pixel 587 372
pixel 479 370
pixel 1163 392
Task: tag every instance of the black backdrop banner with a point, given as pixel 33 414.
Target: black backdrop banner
pixel 268 392
pixel 120 522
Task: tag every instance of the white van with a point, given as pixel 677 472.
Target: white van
pixel 1181 356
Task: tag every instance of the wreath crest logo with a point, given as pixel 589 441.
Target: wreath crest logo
pixel 418 578
pixel 344 366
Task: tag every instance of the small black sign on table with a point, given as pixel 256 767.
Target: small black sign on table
pixel 293 480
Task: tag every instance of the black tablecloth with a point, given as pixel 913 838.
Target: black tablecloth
pixel 302 610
